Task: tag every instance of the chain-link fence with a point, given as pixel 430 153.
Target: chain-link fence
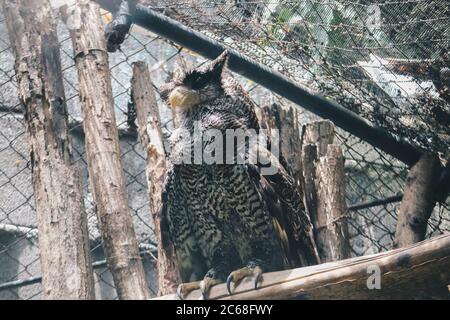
pixel 326 45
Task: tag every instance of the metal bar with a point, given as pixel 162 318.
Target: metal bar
pixel 34 280
pixel 374 203
pixel 27 282
pixel 274 81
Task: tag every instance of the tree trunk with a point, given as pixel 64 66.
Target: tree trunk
pixel 331 224
pixel 63 235
pixel 418 201
pixel 106 175
pixel 416 272
pixel 324 187
pixel 151 138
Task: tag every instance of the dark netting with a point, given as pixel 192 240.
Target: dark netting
pixel 385 60
pixel 391 71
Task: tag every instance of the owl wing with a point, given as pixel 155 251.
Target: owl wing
pixel 286 207
pixel 278 190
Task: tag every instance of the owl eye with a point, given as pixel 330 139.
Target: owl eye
pixel 198 82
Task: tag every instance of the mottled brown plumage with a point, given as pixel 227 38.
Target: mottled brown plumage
pixel 222 217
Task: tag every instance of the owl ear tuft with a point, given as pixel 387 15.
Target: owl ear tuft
pixel 182 66
pixel 220 63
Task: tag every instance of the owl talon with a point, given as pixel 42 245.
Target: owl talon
pixel 184 289
pixel 258 277
pixel 236 276
pixel 205 286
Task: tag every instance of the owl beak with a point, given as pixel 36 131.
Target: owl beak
pixel 183 97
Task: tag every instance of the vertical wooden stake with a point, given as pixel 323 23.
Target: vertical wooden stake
pixel 324 190
pixel 418 201
pixel 331 223
pixel 285 120
pixel 103 152
pixel 62 223
pixel 151 138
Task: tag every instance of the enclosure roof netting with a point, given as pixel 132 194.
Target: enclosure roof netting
pixel 388 61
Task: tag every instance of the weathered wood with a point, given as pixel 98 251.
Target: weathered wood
pixel 151 138
pixel 61 216
pixel 324 190
pixel 418 271
pixel 418 201
pixel 106 175
pixel 309 159
pixel 285 119
pixel 319 133
pixel 330 227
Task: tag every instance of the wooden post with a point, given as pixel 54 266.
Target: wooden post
pixel 418 201
pixel 331 224
pixel 419 271
pixel 309 160
pixel 106 175
pixel 319 133
pixel 285 120
pixel 61 216
pixel 151 138
pixel 324 190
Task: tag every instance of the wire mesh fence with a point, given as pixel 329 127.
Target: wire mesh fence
pixel 328 46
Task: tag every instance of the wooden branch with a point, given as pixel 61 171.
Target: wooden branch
pixel 151 137
pixel 102 150
pixel 61 215
pixel 418 201
pixel 331 224
pixel 418 271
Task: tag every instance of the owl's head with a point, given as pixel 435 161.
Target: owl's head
pixel 190 87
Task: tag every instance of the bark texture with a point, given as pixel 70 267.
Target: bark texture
pixel 106 175
pixel 324 190
pixel 286 121
pixel 151 137
pixel 61 216
pixel 319 133
pixel 331 223
pixel 418 201
pixel 419 271
pixel 309 160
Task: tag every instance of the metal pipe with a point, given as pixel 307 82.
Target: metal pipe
pixel 375 203
pixel 274 81
pixel 28 282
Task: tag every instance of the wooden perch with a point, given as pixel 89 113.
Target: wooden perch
pixel 151 138
pixel 107 179
pixel 418 271
pixel 61 216
pixel 418 201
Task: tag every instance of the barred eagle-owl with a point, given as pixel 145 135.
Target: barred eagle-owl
pixel 227 221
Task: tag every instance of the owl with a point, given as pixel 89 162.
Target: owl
pixel 226 219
